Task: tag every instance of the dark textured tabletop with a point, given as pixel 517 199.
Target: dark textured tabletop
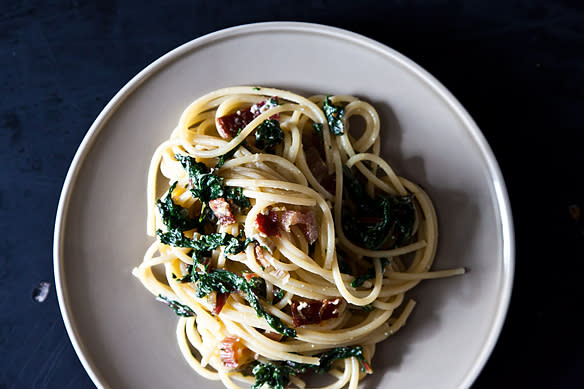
pixel 516 66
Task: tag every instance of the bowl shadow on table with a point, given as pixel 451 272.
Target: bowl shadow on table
pixel 430 295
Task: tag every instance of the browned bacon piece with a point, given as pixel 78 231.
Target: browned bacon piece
pixel 222 210
pixel 220 300
pixel 273 336
pixel 314 311
pixel 306 218
pixel 233 353
pixel 250 276
pixel 268 224
pixel 229 125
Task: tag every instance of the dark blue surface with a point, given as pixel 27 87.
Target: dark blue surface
pixel 518 68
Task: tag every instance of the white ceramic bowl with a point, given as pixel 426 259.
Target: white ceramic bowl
pixel 125 338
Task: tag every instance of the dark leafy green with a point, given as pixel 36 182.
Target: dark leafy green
pixel 236 195
pixel 369 274
pixel 277 374
pixel 334 116
pixel 178 308
pixel 374 223
pixel 173 215
pixel 204 185
pixel 224 281
pixel 268 135
pixel 233 245
pixel 279 295
pixel 326 359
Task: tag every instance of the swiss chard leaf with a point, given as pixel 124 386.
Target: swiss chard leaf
pixel 204 185
pixel 268 135
pixel 326 359
pixel 205 243
pixel 175 238
pixel 178 308
pixel 277 374
pixel 224 281
pixel 381 221
pixel 334 116
pixel 173 215
pixel 236 195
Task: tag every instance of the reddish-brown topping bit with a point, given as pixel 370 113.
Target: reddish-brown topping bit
pixel 222 210
pixel 220 301
pixel 314 311
pixel 268 224
pixel 273 335
pixel 249 276
pixel 229 125
pixel 233 353
pixel 366 366
pixel 306 218
pixel 259 252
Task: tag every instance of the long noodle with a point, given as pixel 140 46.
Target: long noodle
pixel 276 181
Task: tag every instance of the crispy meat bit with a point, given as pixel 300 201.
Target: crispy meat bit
pixel 268 224
pixel 229 125
pixel 222 210
pixel 314 311
pixel 307 220
pixel 233 352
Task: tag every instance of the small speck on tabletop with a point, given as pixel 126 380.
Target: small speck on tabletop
pixel 41 291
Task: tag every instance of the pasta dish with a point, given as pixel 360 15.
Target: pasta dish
pixel 284 243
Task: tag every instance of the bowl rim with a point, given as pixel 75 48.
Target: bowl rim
pixel 502 199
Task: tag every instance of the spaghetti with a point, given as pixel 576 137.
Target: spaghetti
pixel 284 242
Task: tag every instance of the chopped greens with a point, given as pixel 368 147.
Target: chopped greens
pixel 280 294
pixel 326 359
pixel 277 374
pixel 224 281
pixel 204 185
pixel 207 186
pixel 374 223
pixel 174 216
pixel 360 280
pixel 334 116
pixel 236 195
pixel 268 134
pixel 205 243
pixel 178 308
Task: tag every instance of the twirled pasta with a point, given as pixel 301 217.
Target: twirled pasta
pixel 302 176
